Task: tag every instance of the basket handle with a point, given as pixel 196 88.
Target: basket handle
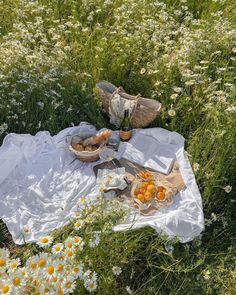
pixel 125 95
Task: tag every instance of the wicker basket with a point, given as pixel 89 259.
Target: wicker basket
pixel 146 109
pixel 86 156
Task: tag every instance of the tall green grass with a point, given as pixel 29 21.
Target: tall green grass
pixel 51 55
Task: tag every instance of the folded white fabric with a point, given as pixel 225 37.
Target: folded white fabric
pixel 41 181
pixel 153 151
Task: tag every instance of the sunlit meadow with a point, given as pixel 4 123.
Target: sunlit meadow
pixel 182 53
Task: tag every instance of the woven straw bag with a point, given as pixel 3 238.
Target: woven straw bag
pixel 145 111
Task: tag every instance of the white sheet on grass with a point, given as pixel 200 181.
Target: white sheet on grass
pixel 40 183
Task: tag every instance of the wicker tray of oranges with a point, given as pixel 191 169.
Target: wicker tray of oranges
pixel 146 191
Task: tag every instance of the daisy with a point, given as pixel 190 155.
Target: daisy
pixel 78 224
pixel 90 276
pixel 3 263
pixel 174 96
pixel 116 270
pixel 177 89
pixel 82 201
pixel 45 241
pixel 171 113
pixel 50 270
pixel 26 229
pixel 17 280
pixel 6 288
pixel 78 270
pixel 57 248
pixel 196 167
pixel 4 253
pixel 68 285
pixel 42 260
pixel 31 263
pixel 69 242
pixel 77 215
pixel 142 71
pixel 60 268
pixel 69 253
pixel 90 285
pixel 13 264
pixel 228 189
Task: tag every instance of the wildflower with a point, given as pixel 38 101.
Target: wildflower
pixel 26 229
pixel 174 96
pixel 31 263
pixel 45 241
pixel 177 89
pixel 227 189
pixel 42 260
pixel 196 167
pixel 78 270
pixel 6 288
pixel 142 71
pixel 100 189
pixel 116 270
pixel 78 241
pixel 3 263
pixel 206 275
pixel 190 82
pixel 50 269
pixel 77 215
pixel 90 286
pixel 69 242
pixel 14 263
pixel 171 113
pixel 57 248
pixel 94 241
pixel 69 253
pixel 213 216
pixel 82 201
pixel 68 285
pixel 78 224
pixel 60 268
pixel 17 280
pixel 129 291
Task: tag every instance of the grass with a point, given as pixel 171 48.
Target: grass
pixel 51 55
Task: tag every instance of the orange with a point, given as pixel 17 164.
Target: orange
pixel 142 190
pixel 141 198
pixel 160 196
pixel 148 196
pixel 136 191
pixel 151 188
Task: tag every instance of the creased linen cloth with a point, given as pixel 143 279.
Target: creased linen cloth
pixel 40 183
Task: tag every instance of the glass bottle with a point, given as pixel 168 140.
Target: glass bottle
pixel 125 128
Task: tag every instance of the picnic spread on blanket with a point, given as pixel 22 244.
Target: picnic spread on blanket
pixel 42 177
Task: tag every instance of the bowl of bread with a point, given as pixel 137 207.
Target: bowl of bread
pixel 86 146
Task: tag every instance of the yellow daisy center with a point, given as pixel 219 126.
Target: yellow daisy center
pixel 5 289
pixel 76 240
pixel 69 253
pixel 60 267
pixel 33 265
pixel 44 240
pixel 2 262
pixel 76 269
pixel 59 291
pixel 14 265
pixel 78 224
pixel 46 290
pixel 58 248
pixel 69 244
pixel 50 269
pixel 54 279
pixel 68 285
pixel 16 281
pixel 41 262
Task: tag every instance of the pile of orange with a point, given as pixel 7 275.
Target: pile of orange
pixel 146 189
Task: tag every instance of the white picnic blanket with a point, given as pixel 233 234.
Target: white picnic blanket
pixel 40 183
